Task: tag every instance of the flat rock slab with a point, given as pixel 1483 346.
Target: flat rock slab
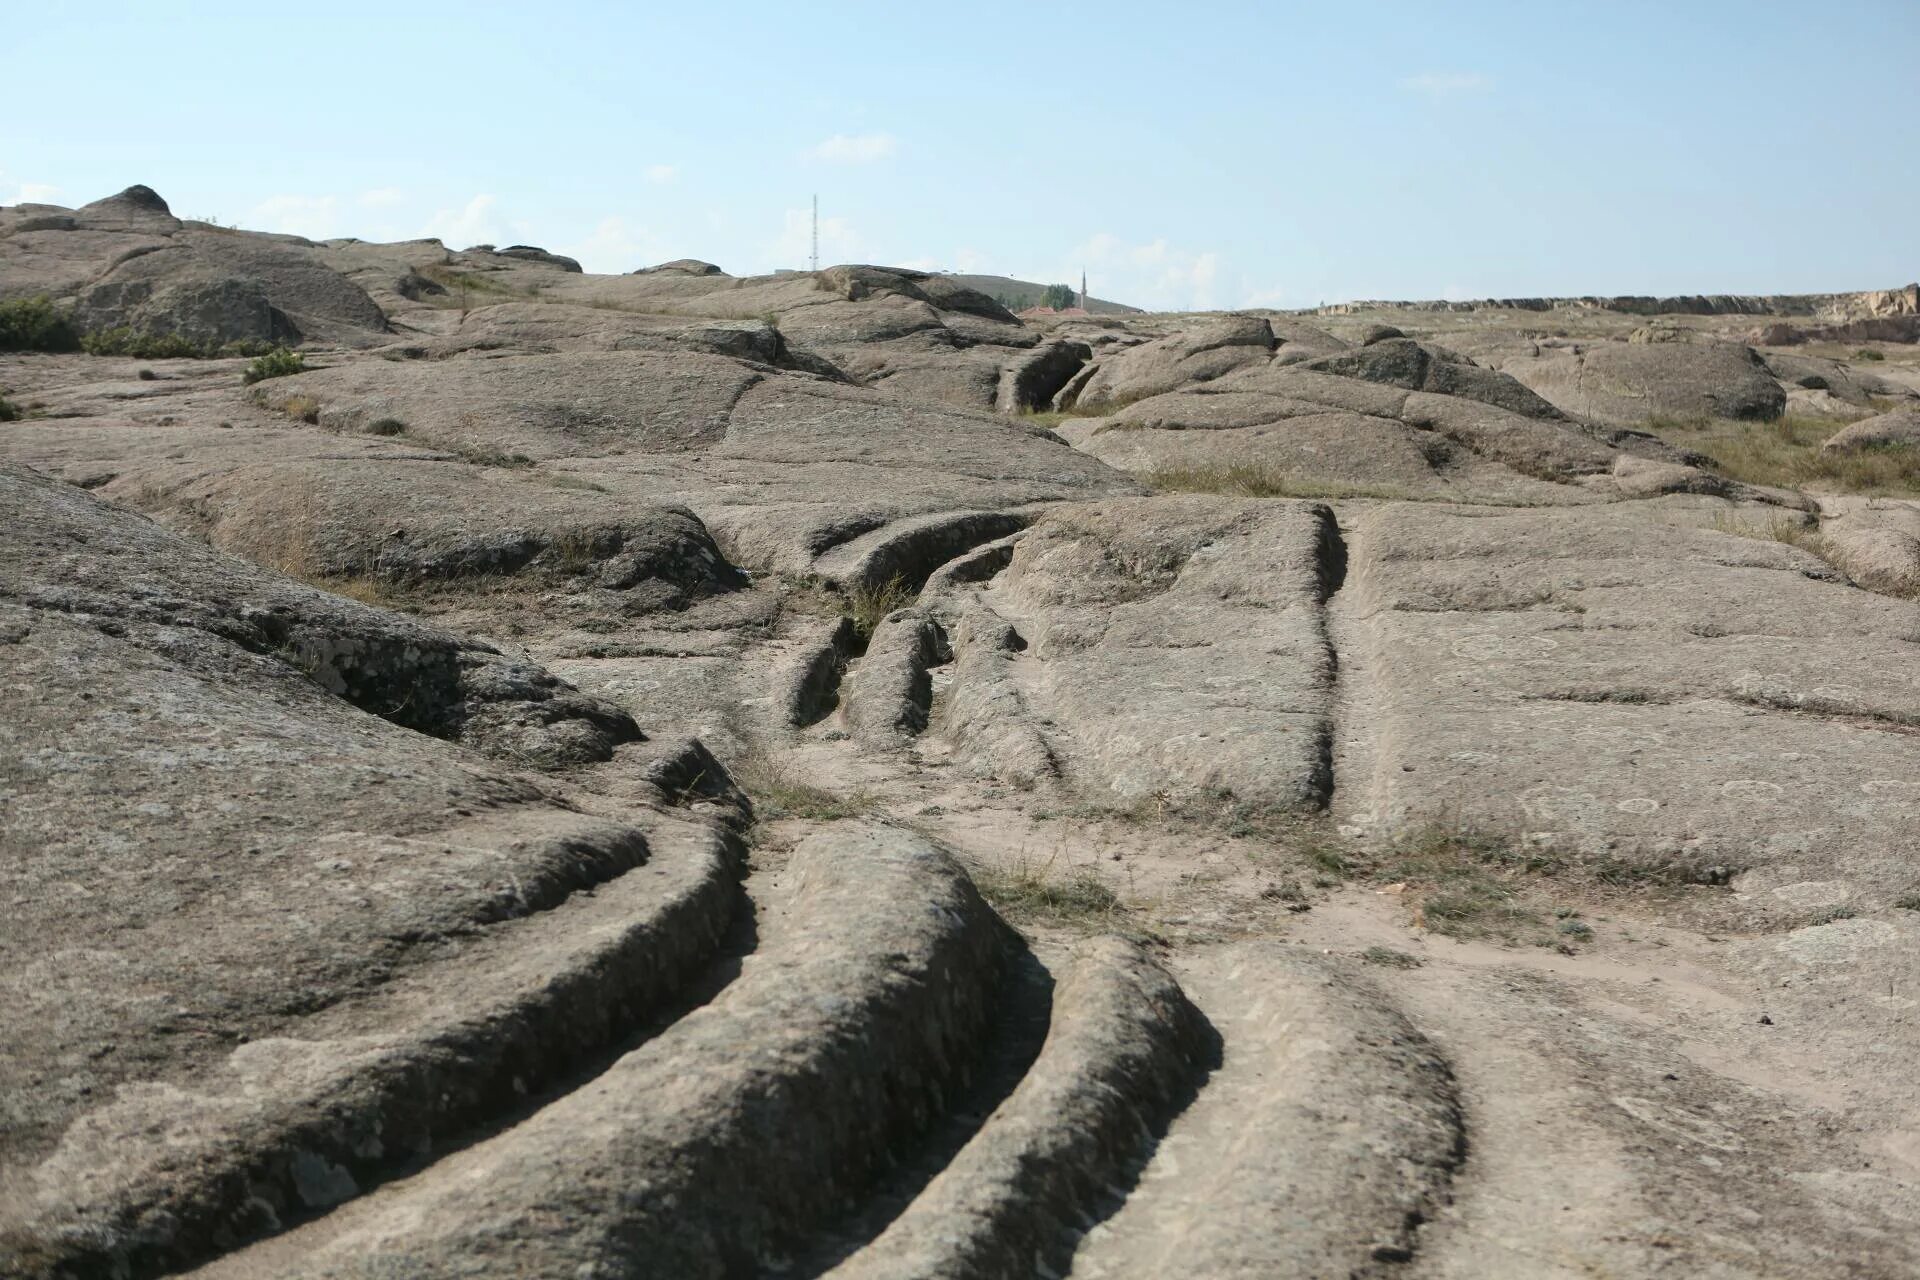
pixel 1329 1129
pixel 1169 649
pixel 1617 685
pixel 1306 430
pixel 1625 383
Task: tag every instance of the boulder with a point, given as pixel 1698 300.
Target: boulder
pixel 138 208
pixel 1301 431
pixel 1899 429
pixel 532 253
pixel 681 267
pixel 1625 384
pixel 1878 558
pixel 1198 354
pixel 1402 362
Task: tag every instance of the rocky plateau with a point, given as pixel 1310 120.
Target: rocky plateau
pixel 524 772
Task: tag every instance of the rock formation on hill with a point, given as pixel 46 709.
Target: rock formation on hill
pixel 674 774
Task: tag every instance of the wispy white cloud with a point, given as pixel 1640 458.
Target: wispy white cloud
pixel 315 217
pixel 839 242
pixel 479 221
pixel 615 246
pixel 1153 273
pixel 959 262
pixel 34 193
pixel 862 148
pixel 660 174
pixel 383 197
pixel 1441 84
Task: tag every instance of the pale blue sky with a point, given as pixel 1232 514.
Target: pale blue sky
pixel 1212 155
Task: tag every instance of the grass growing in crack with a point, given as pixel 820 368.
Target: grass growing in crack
pixel 467 290
pixel 867 605
pixel 1260 480
pixel 562 480
pixel 487 456
pixel 1388 958
pixel 1795 532
pixel 778 792
pixel 1471 883
pixel 1786 453
pixel 1467 884
pixel 1048 419
pixel 364 588
pixel 573 551
pixel 1029 892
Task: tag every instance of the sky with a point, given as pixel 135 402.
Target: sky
pixel 1209 155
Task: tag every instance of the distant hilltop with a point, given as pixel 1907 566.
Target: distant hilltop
pixel 1838 307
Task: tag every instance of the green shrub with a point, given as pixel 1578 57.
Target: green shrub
pixel 33 324
pixel 1868 353
pixel 141 346
pixel 7 411
pixel 277 363
pixel 167 346
pixel 386 427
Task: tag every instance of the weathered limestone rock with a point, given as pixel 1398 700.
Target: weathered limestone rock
pixel 1624 384
pixel 1197 354
pixel 1899 429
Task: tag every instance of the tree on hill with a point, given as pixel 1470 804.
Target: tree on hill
pixel 1059 297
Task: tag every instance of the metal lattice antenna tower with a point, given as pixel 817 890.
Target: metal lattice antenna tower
pixel 815 260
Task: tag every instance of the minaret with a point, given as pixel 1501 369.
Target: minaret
pixel 1083 288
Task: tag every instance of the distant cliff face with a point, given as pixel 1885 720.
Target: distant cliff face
pixel 1838 307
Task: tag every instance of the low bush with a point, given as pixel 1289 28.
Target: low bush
pixel 35 324
pixel 1868 353
pixel 8 412
pixel 140 345
pixel 277 363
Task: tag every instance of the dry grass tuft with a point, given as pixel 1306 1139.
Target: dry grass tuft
pixel 303 408
pixel 1261 480
pixel 778 792
pixel 1048 419
pixel 1786 453
pixel 1030 892
pixel 867 605
pixel 1795 532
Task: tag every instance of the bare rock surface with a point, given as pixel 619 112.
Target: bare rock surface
pixel 542 790
pixel 1624 384
pixel 1154 648
pixel 1338 434
pixel 1651 691
pixel 1198 354
pixel 838 1036
pixel 1898 429
pixel 1329 1131
pixel 284 886
pixel 126 262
